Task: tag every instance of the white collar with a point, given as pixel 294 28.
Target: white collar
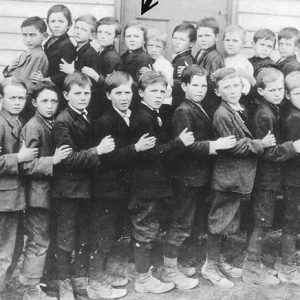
pixel 150 107
pixel 77 111
pixel 123 115
pixel 237 107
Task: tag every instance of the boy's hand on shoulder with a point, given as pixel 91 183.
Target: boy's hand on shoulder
pixel 106 145
pixel 145 142
pixel 296 145
pixel 61 153
pixel 36 77
pixel 181 68
pixel 66 67
pixel 187 137
pixel 269 140
pixel 145 69
pixel 224 143
pixel 27 154
pixel 91 73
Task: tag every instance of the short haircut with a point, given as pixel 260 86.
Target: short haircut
pixel 89 19
pixel 37 22
pixel 111 21
pixel 235 28
pixel 11 81
pixel 292 80
pixel 267 75
pixel 116 79
pixel 189 28
pixel 43 85
pixel 151 77
pixel 138 25
pixel 209 22
pixel 266 34
pixel 59 8
pixel 76 78
pixel 190 71
pixel 156 35
pixel 223 73
pixel 288 33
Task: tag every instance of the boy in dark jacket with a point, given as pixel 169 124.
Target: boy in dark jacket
pixel 111 179
pixel 151 184
pixel 270 84
pixel 12 187
pixel 37 133
pixel 72 190
pixel 232 177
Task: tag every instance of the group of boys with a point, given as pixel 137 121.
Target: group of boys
pixel 156 166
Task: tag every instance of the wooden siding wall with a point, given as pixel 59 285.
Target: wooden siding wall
pixel 13 12
pixel 271 14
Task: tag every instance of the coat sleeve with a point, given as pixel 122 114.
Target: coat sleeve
pixel 39 167
pixel 111 64
pixel 84 159
pixel 181 120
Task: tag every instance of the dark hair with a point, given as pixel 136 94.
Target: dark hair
pixel 288 33
pixel 89 19
pixel 223 73
pixel 139 25
pixel 37 22
pixel 116 79
pixel 110 21
pixel 76 78
pixel 189 28
pixel 267 75
pixel 151 77
pixel 13 81
pixel 266 34
pixel 43 85
pixel 209 22
pixel 59 8
pixel 190 71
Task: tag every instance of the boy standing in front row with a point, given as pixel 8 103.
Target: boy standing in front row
pixel 72 189
pixel 12 188
pixel 151 183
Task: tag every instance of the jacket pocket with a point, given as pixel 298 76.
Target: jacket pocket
pixel 8 183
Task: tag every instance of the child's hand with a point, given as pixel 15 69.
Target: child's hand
pixel 145 69
pixel 61 153
pixel 187 137
pixel 269 140
pixel 296 145
pixel 225 142
pixel 145 142
pixel 91 73
pixel 27 154
pixel 66 67
pixel 36 77
pixel 181 68
pixel 106 145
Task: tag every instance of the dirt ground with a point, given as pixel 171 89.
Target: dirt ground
pixel 205 291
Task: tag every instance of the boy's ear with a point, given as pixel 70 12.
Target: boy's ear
pixel 217 92
pixel 217 37
pixel 192 44
pixel 141 93
pixel 108 96
pixel 287 95
pixel 93 36
pixel 45 34
pixel 34 102
pixel 66 95
pixel 183 86
pixel 260 91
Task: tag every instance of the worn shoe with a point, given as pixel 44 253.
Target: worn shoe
pixel 80 285
pixel 289 274
pixel 115 281
pixel 146 283
pixel 36 293
pixel 187 271
pixel 182 282
pixel 211 272
pixel 97 290
pixel 254 272
pixel 229 270
pixel 65 290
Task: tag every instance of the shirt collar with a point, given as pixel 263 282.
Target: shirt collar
pixel 48 122
pixel 180 53
pixel 237 107
pixel 10 118
pixel 156 110
pixel 123 115
pixel 77 111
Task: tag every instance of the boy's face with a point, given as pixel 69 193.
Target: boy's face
pixel 46 103
pixel 230 90
pixel 154 94
pixel 32 37
pixel 14 99
pixel 233 43
pixel 106 35
pixel 263 48
pixel 134 38
pixel 181 41
pixel 79 97
pixel 294 97
pixel 155 48
pixel 121 96
pixel 58 24
pixel 273 91
pixel 206 38
pixel 287 47
pixel 195 90
pixel 82 32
